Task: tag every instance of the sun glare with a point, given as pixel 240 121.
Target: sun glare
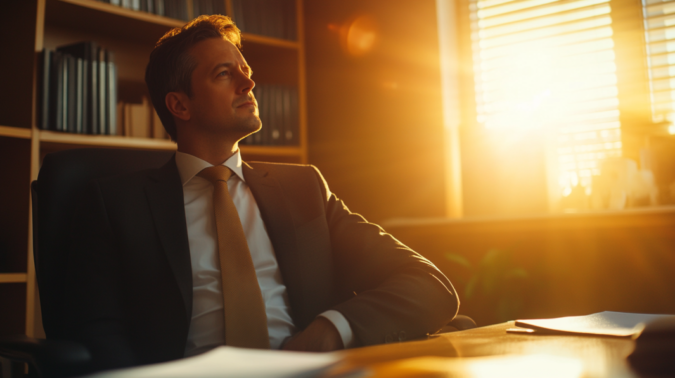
pixel 549 65
pixel 534 366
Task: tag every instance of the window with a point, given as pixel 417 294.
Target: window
pixel 659 22
pixel 550 64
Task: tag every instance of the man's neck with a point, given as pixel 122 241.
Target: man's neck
pixel 213 153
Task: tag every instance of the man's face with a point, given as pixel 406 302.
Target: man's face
pixel 222 101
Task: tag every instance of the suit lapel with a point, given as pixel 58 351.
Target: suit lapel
pixel 279 224
pixel 165 195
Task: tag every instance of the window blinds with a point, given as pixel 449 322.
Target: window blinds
pixel 659 21
pixel 550 64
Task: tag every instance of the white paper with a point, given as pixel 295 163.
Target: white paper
pixel 606 323
pixel 230 362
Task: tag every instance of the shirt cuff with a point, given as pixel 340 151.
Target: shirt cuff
pixel 342 326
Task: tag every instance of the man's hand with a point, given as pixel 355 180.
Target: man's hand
pixel 319 336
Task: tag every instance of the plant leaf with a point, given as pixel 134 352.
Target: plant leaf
pixel 471 287
pixel 458 259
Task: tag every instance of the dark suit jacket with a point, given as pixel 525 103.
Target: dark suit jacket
pixel 131 282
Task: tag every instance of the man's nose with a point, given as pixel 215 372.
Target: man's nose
pixel 247 84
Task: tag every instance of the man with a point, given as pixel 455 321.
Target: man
pixel 157 260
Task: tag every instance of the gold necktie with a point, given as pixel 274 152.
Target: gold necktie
pixel 245 317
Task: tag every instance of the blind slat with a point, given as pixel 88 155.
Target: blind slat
pixel 550 64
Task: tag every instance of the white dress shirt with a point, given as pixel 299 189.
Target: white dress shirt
pixel 206 327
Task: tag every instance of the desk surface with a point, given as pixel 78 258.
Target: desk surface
pixel 486 352
pixel 492 352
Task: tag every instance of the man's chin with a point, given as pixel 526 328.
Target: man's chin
pixel 250 128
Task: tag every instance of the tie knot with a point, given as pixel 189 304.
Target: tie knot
pixel 216 173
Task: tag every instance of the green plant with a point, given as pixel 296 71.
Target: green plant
pixel 494 284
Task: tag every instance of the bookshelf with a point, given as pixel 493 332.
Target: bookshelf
pixel 28 26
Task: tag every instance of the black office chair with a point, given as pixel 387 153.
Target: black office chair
pixel 61 182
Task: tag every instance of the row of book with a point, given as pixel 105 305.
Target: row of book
pixel 78 89
pixel 278 106
pixel 278 112
pixel 139 120
pixel 272 18
pixel 176 9
pixel 200 7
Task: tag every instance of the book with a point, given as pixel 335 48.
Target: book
pixel 158 131
pixel 159 7
pixel 273 18
pixel 79 98
pixel 111 93
pixel 120 119
pixel 101 88
pixel 71 92
pixel 277 131
pixel 87 51
pixel 62 119
pixel 238 14
pixel 136 119
pixel 287 129
pixel 44 80
pixel 56 92
pixel 295 118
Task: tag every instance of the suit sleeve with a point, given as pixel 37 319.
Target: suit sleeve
pixel 399 294
pixel 94 286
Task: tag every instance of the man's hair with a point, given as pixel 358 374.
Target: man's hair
pixel 171 65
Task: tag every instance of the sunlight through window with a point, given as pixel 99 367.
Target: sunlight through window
pixel 659 20
pixel 550 64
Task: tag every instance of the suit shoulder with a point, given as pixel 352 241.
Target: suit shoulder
pixel 295 175
pixel 280 166
pixel 287 169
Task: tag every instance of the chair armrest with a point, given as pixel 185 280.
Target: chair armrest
pixel 462 322
pixel 459 323
pixel 51 358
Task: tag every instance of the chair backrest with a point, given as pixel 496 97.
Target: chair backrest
pixel 61 182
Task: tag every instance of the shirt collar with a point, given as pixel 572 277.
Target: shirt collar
pixel 189 165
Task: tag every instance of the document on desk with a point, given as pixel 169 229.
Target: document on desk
pixel 230 362
pixel 607 323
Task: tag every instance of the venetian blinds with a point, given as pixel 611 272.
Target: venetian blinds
pixel 550 64
pixel 659 20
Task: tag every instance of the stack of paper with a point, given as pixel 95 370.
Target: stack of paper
pixel 230 362
pixel 607 323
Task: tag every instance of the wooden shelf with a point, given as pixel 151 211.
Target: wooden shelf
pixel 107 19
pixel 15 132
pixel 127 24
pixel 13 277
pixel 60 140
pixel 56 139
pixel 271 150
pixel 269 41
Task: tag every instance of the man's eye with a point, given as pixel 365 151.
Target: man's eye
pixel 224 73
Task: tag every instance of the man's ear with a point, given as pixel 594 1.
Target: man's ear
pixel 178 104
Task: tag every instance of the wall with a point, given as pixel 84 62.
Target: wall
pixel 375 121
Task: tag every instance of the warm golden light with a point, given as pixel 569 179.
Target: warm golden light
pixel 534 366
pixel 506 366
pixel 660 36
pixel 358 36
pixel 549 65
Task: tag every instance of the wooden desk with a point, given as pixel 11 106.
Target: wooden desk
pixel 487 352
pixel 492 352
